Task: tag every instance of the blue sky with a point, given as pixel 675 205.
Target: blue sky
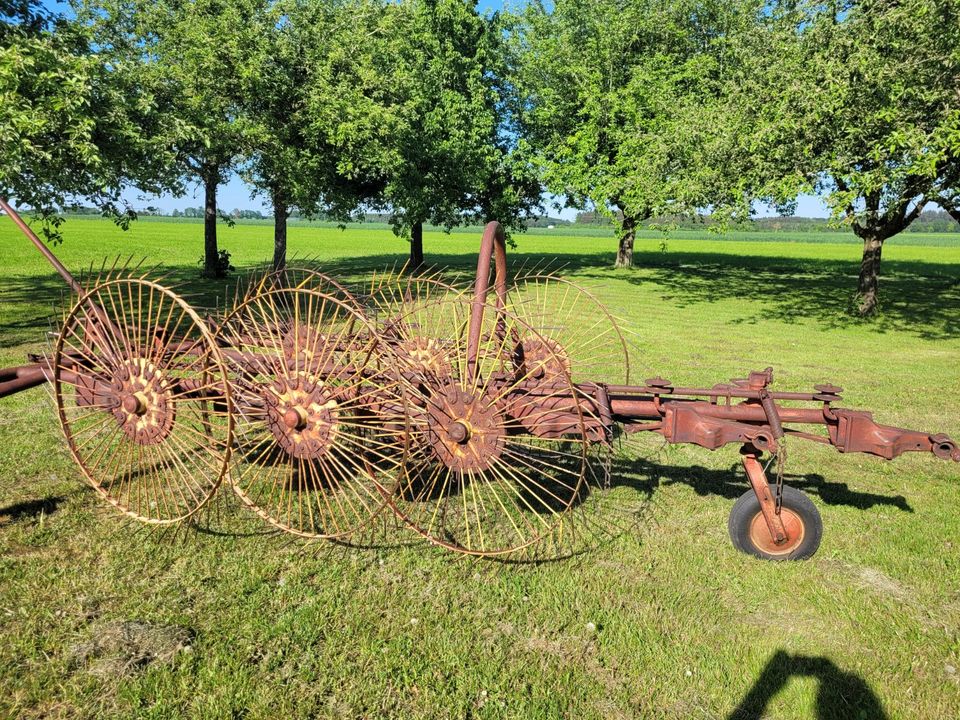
pixel 236 194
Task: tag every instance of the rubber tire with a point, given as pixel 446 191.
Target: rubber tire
pixel 746 508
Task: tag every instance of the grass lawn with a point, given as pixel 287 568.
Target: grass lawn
pixel 663 618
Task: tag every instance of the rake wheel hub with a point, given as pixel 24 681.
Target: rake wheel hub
pixel 426 354
pixel 304 343
pixel 544 358
pixel 144 405
pixel 302 415
pixel 465 430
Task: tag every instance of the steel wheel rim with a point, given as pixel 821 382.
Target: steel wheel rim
pixel 510 489
pixel 793 525
pixel 175 477
pixel 318 480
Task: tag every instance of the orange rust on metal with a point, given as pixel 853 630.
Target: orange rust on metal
pixel 758 481
pixel 21 377
pixel 793 528
pixel 528 391
pixel 492 245
pixel 543 358
pixel 302 415
pixel 108 326
pixel 143 404
pixel 466 430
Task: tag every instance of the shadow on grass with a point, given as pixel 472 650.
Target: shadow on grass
pixel 645 476
pixel 918 297
pixel 30 509
pixel 609 516
pixel 841 695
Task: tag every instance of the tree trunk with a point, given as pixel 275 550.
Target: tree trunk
pixel 416 246
pixel 954 212
pixel 627 234
pixel 280 214
pixel 211 256
pixel 868 286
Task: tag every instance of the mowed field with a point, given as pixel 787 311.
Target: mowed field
pixel 655 616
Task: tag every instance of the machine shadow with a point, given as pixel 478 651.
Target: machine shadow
pixel 30 509
pixel 645 475
pixel 840 694
pixel 600 515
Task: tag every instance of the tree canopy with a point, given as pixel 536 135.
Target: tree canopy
pixel 432 112
pixel 69 128
pixel 609 93
pixel 286 160
pixel 858 100
pixel 190 60
pixel 421 116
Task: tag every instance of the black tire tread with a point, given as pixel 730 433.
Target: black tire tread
pixel 747 506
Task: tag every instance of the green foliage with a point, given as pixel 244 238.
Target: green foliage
pixel 857 99
pixel 415 87
pixel 284 161
pixel 69 126
pixel 607 90
pixel 223 266
pixel 189 61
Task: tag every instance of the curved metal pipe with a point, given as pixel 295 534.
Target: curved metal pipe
pixel 493 246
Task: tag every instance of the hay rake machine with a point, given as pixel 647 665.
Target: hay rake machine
pixel 473 416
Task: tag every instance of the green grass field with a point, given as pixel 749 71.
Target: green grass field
pixel 659 618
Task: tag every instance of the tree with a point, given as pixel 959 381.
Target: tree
pixel 272 105
pixel 190 57
pixel 859 100
pixel 294 104
pixel 607 94
pixel 422 108
pixel 69 128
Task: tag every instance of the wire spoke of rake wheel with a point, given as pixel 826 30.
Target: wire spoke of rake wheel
pixel 319 418
pixel 141 390
pixel 298 276
pixel 393 295
pixel 581 331
pixel 498 455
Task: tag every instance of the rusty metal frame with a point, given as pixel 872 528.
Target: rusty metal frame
pixel 743 411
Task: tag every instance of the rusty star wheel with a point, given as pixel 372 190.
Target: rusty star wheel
pixel 584 339
pixel 581 333
pixel 143 400
pixel 319 421
pixel 497 450
pixel 393 304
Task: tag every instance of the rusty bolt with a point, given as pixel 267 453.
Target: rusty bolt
pixel 135 403
pixel 295 418
pixel 458 431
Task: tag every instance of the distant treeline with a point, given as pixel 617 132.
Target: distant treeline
pixel 930 221
pixel 238 214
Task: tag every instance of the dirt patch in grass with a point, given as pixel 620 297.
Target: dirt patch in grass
pixel 882 583
pixel 572 650
pixel 870 578
pixel 119 648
